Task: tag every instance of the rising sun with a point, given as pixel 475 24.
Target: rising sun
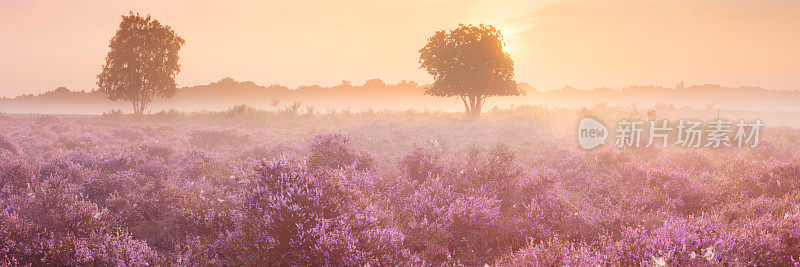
pixel 506 32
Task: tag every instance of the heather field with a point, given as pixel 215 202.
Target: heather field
pixel 248 187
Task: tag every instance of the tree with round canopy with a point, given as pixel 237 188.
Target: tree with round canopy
pixel 142 62
pixel 469 62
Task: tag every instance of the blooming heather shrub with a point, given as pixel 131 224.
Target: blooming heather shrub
pixel 707 240
pixel 774 180
pixel 611 157
pixel 24 243
pixel 757 207
pixel 158 151
pixel 197 164
pixel 53 205
pixel 154 213
pixel 693 161
pixel 788 231
pixel 207 212
pixel 292 217
pixel 767 149
pixel 445 226
pixel 269 151
pixel 118 161
pixel 333 150
pixel 493 192
pixel 501 157
pixel 421 164
pixel 553 252
pixel 678 240
pixel 99 188
pixel 16 173
pixel 217 138
pixel 683 194
pixel 47 119
pixel 780 179
pixel 130 134
pixel 555 214
pixel 118 249
pixel 6 144
pixel 154 167
pixel 365 161
pixel 5 118
pixel 63 167
pixel 80 157
pixel 139 193
pixel 758 242
pixel 50 223
pixel 493 171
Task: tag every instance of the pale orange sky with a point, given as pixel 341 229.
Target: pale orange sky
pixel 584 44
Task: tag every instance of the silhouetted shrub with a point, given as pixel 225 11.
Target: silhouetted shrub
pixel 114 114
pixel 239 110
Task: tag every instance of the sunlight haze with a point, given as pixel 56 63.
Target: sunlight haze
pixel 584 44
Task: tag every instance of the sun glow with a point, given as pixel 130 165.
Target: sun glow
pixel 507 32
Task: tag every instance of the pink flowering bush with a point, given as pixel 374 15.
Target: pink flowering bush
pixel 291 215
pixel 383 189
pixel 334 151
pixel 7 145
pixel 421 164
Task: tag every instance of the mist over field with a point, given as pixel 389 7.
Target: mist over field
pixel 400 133
pixel 682 101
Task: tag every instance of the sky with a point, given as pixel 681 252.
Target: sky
pixel 556 43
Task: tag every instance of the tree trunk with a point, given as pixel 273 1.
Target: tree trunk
pixel 138 107
pixel 135 107
pixel 142 106
pixel 478 106
pixel 472 105
pixel 473 111
pixel 466 105
pixel 141 102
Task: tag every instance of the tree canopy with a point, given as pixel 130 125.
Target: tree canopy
pixel 142 62
pixel 469 62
